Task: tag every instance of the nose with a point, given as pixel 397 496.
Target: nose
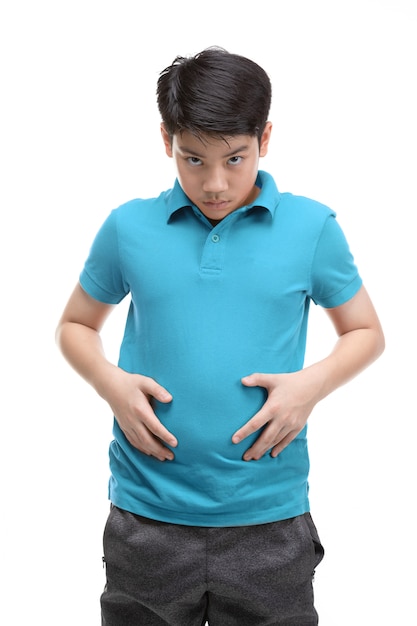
pixel 215 181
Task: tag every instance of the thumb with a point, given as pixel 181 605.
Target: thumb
pixel 154 389
pixel 254 380
pixel 162 394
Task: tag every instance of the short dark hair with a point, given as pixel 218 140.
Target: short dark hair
pixel 214 93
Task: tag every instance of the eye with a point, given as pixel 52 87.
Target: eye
pixel 194 160
pixel 235 160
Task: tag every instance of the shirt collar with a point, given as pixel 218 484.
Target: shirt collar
pixel 268 198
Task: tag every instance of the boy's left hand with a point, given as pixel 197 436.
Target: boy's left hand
pixel 284 414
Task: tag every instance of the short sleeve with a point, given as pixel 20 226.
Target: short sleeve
pixel 102 275
pixel 335 278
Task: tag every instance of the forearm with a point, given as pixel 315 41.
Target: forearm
pixel 353 352
pixel 83 349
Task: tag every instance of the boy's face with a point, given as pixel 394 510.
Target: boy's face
pixel 217 175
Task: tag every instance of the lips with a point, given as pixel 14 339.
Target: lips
pixel 216 204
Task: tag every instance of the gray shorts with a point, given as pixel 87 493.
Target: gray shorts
pixel 162 574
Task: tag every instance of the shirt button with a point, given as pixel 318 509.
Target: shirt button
pixel 215 238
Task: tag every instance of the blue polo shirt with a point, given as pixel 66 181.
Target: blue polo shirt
pixel 210 305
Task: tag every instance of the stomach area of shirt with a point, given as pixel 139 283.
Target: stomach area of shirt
pixel 204 422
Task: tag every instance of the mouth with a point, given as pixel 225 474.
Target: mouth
pixel 217 205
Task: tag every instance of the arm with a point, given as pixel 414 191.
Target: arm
pixel 78 336
pixel 292 397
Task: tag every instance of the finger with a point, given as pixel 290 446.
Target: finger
pixel 276 450
pixel 142 439
pixel 254 453
pixel 155 426
pixel 256 380
pixel 252 426
pixel 267 440
pixel 154 389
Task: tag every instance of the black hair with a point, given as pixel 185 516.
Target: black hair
pixel 214 93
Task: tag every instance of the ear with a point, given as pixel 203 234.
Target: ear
pixel 167 140
pixel 264 142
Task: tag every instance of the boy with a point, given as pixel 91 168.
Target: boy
pixel 209 515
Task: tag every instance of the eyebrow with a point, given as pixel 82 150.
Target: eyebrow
pixel 186 150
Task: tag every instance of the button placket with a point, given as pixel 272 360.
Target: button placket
pixel 213 252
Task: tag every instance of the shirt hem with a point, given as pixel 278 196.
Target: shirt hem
pixel 210 521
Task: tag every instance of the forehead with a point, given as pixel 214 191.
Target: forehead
pixel 186 142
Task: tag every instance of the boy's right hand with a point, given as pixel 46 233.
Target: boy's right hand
pixel 129 396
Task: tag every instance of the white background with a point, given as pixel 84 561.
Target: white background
pixel 79 136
